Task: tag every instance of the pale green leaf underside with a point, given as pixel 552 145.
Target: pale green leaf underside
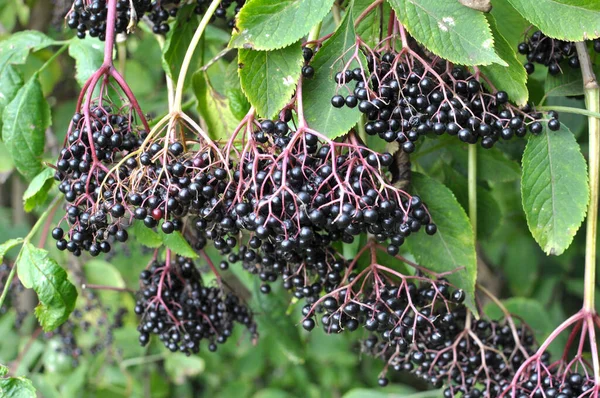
pixel 449 29
pixel 317 92
pixel 513 78
pixel 269 25
pixel 453 246
pixel 37 191
pixel 554 188
pixel 571 20
pixel 88 54
pixel 269 77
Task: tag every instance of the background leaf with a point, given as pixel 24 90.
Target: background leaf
pixel 177 243
pixel 178 39
pixel 570 20
pixel 88 55
pixel 317 92
pixel 453 246
pixel 37 191
pixel 269 25
pixel 269 77
pixel 16 387
pixel 145 235
pixel 17 47
pixel 446 29
pixel 25 120
pixel 238 103
pixel 6 246
pixel 57 295
pixel 11 82
pixel 554 188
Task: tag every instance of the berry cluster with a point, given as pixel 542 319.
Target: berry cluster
pixel 89 16
pixel 566 385
pixel 543 50
pixel 98 138
pixel 405 98
pixel 175 305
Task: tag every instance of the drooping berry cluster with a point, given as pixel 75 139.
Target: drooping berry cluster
pixel 566 385
pixel 99 137
pixel 89 16
pixel 405 98
pixel 175 305
pixel 544 50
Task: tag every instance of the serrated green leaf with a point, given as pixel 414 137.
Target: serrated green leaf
pixel 269 78
pixel 513 78
pixel 489 214
pixel 177 243
pixel 178 39
pixel 11 82
pixel 269 25
pixel 513 24
pixel 25 120
pixel 238 103
pixel 146 236
pixel 15 49
pixel 9 244
pixel 317 92
pixel 88 55
pixel 554 188
pixel 453 246
pixel 570 20
pixel 567 83
pixel 214 108
pixel 446 29
pixel 37 191
pixel 57 295
pixel 17 387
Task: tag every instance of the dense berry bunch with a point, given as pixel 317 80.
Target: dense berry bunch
pixel 565 385
pixel 98 138
pixel 544 50
pixel 175 305
pixel 405 98
pixel 89 16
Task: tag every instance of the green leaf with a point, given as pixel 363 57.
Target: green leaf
pixel 146 236
pixel 17 387
pixel 513 24
pixel 447 29
pixel 269 25
pixel 9 244
pixel 317 92
pixel 89 55
pixel 238 103
pixel 178 39
pixel 453 246
pixel 15 49
pixel 570 20
pixel 11 82
pixel 57 295
pixel 567 83
pixel 489 214
pixel 492 164
pixel 214 108
pixel 25 120
pixel 513 78
pixel 554 188
pixel 530 310
pixel 3 370
pixel 177 243
pixel 6 163
pixel 269 77
pixel 37 191
pixel 369 28
pixel 179 367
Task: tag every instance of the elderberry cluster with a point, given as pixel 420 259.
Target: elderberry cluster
pixel 405 99
pixel 544 50
pixel 566 385
pixel 175 305
pixel 95 211
pixel 89 16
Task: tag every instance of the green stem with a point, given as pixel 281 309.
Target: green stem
pixel 592 99
pixel 567 109
pixel 26 240
pixel 187 59
pixel 315 32
pixel 360 126
pixel 53 57
pixel 472 184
